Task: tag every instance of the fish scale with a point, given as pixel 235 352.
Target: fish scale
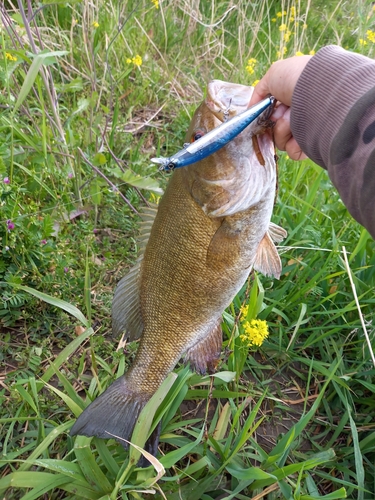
pixel 211 228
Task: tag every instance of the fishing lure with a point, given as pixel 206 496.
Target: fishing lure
pixel 216 138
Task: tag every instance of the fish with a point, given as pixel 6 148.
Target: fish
pixel 211 227
pixel 215 139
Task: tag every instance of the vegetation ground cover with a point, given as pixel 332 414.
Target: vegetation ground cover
pixel 90 92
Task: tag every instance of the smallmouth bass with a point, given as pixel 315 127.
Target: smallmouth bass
pixel 212 226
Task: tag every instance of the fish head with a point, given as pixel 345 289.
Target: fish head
pixel 241 173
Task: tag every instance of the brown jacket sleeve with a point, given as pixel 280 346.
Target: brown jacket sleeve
pixel 333 121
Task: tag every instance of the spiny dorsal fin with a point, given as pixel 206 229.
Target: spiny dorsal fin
pixel 267 260
pixel 276 232
pixel 204 355
pixel 126 308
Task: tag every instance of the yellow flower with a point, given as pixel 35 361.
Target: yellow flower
pixel 10 57
pixel 282 27
pixel 255 83
pixel 305 26
pixel 137 60
pixel 255 331
pixel 156 3
pixel 95 24
pixel 299 53
pixel 292 11
pixel 273 19
pixel 244 311
pixel 291 19
pixel 312 52
pixel 250 65
pixel 370 35
pixel 287 36
pixel 362 41
pixel 280 53
pixel 279 14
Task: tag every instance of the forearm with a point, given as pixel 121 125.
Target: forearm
pixel 333 120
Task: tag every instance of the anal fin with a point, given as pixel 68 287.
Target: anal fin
pixel 204 355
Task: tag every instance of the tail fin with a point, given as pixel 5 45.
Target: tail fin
pixel 113 412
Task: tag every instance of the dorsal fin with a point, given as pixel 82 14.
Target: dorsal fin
pixel 267 260
pixel 126 307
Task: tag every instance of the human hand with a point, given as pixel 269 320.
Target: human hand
pixel 280 81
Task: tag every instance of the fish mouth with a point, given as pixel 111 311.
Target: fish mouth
pixel 225 99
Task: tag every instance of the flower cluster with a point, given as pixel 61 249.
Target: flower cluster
pixel 370 35
pixel 95 24
pixel 250 66
pixel 10 57
pixel 137 60
pixel 280 53
pixel 254 332
pixel 156 3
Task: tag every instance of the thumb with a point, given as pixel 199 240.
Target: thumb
pixel 261 90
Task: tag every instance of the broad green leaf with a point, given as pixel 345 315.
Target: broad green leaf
pixel 26 396
pixel 62 304
pixel 250 473
pixel 39 450
pixel 99 160
pixel 61 466
pixel 335 495
pixel 32 73
pixel 280 474
pixel 40 482
pixel 141 182
pixel 144 422
pixel 89 467
pixel 72 405
pixel 226 376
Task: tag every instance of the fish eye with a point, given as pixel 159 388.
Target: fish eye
pixel 197 135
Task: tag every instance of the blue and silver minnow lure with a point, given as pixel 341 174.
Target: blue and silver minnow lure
pixel 215 139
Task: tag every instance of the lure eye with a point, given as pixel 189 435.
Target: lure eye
pixel 197 135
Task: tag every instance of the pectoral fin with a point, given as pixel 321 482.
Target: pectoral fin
pixel 204 355
pixel 225 246
pixel 267 260
pixel 277 233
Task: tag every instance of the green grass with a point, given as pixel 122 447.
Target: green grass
pixel 78 125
